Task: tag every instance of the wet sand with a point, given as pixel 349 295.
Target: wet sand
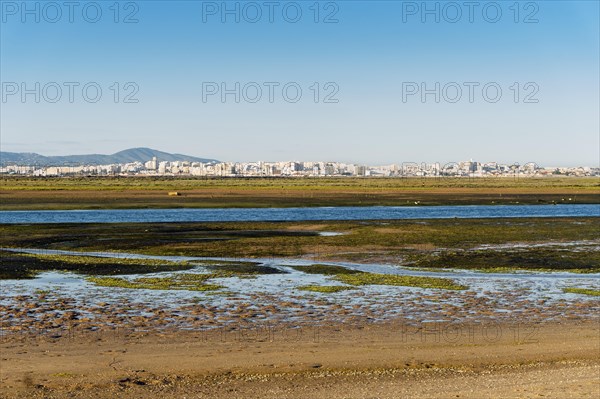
pixel 371 361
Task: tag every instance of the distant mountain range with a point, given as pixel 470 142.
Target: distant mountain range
pixel 126 156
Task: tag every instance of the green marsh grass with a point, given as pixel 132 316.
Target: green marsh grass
pixel 26 193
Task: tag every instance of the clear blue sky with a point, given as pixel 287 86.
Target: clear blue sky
pixel 373 54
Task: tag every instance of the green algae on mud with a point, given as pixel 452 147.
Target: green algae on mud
pixel 191 281
pixel 325 289
pixel 396 280
pixel 327 270
pixel 541 259
pixel 26 266
pixel 243 268
pixel 102 260
pixel 358 278
pixel 361 241
pixel 423 244
pixel 180 282
pixel 20 265
pixel 582 291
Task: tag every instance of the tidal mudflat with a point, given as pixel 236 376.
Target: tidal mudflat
pixel 161 276
pixel 211 293
pixel 176 309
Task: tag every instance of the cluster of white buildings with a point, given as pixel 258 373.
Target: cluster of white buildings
pixel 155 167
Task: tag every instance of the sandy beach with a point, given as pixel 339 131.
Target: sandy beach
pixel 372 361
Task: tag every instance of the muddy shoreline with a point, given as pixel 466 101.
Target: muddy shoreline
pixel 500 360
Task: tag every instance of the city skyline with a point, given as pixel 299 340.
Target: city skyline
pixel 195 158
pixel 146 162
